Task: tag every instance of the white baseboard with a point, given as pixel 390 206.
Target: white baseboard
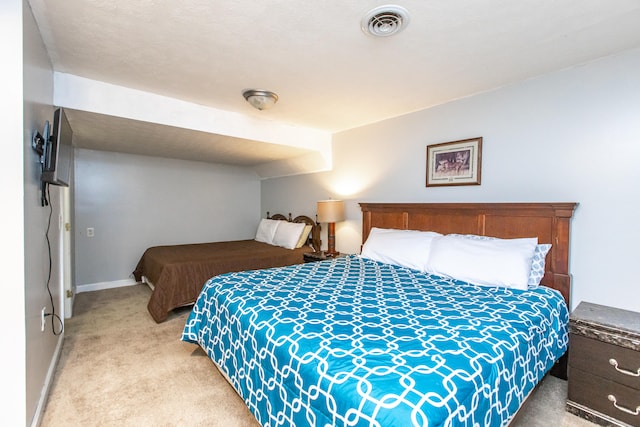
pixel 105 285
pixel 48 381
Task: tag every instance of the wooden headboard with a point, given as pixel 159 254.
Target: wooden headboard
pixel 550 222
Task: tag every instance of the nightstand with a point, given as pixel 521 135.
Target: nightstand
pixel 319 256
pixel 604 365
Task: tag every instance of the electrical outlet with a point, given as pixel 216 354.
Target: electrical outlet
pixel 91 232
pixel 42 317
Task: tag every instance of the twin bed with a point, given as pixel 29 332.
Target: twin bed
pixel 176 273
pixel 359 341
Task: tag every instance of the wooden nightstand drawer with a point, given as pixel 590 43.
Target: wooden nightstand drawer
pixel 604 365
pixel 606 397
pixel 605 360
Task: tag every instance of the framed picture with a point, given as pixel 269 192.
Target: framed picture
pixel 454 163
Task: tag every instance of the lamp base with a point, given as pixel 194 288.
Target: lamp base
pixel 331 241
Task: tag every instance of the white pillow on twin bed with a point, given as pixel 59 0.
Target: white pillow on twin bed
pixel 405 248
pixel 491 262
pixel 287 234
pixel 266 230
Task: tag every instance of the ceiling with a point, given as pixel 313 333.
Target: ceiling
pixel 327 72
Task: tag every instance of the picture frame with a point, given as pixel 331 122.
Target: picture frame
pixel 454 163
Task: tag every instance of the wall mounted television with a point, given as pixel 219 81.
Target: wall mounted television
pixel 58 152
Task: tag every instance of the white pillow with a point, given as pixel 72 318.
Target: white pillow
pixel 266 230
pixel 288 234
pixel 537 262
pixel 494 262
pixel 405 248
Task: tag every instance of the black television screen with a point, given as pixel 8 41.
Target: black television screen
pixel 58 152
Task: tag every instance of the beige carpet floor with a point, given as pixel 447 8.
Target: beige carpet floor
pixel 119 368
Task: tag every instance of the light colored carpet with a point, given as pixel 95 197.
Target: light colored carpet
pixel 119 368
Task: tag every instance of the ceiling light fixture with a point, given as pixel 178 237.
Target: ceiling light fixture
pixel 260 99
pixel 385 21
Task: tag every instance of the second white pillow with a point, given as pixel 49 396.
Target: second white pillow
pixel 495 262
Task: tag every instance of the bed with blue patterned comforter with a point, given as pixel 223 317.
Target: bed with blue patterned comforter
pixel 354 342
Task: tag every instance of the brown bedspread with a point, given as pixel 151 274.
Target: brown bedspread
pixel 179 272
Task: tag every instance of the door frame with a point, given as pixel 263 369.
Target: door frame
pixel 68 288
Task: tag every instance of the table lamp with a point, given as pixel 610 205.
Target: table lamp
pixel 331 211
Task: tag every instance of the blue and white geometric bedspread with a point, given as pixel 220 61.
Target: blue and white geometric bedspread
pixel 354 342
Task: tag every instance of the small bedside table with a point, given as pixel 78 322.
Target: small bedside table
pixel 319 256
pixel 604 365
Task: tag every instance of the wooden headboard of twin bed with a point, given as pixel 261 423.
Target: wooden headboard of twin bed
pixel 550 222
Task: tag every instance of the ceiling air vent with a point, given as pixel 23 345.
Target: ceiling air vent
pixel 384 21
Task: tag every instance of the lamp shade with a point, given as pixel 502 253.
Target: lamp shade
pixel 330 211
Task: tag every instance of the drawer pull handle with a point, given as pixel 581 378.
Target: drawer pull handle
pixel 612 398
pixel 614 363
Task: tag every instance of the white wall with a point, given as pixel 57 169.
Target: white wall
pixel 134 202
pixel 12 394
pixel 26 102
pixel 571 136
